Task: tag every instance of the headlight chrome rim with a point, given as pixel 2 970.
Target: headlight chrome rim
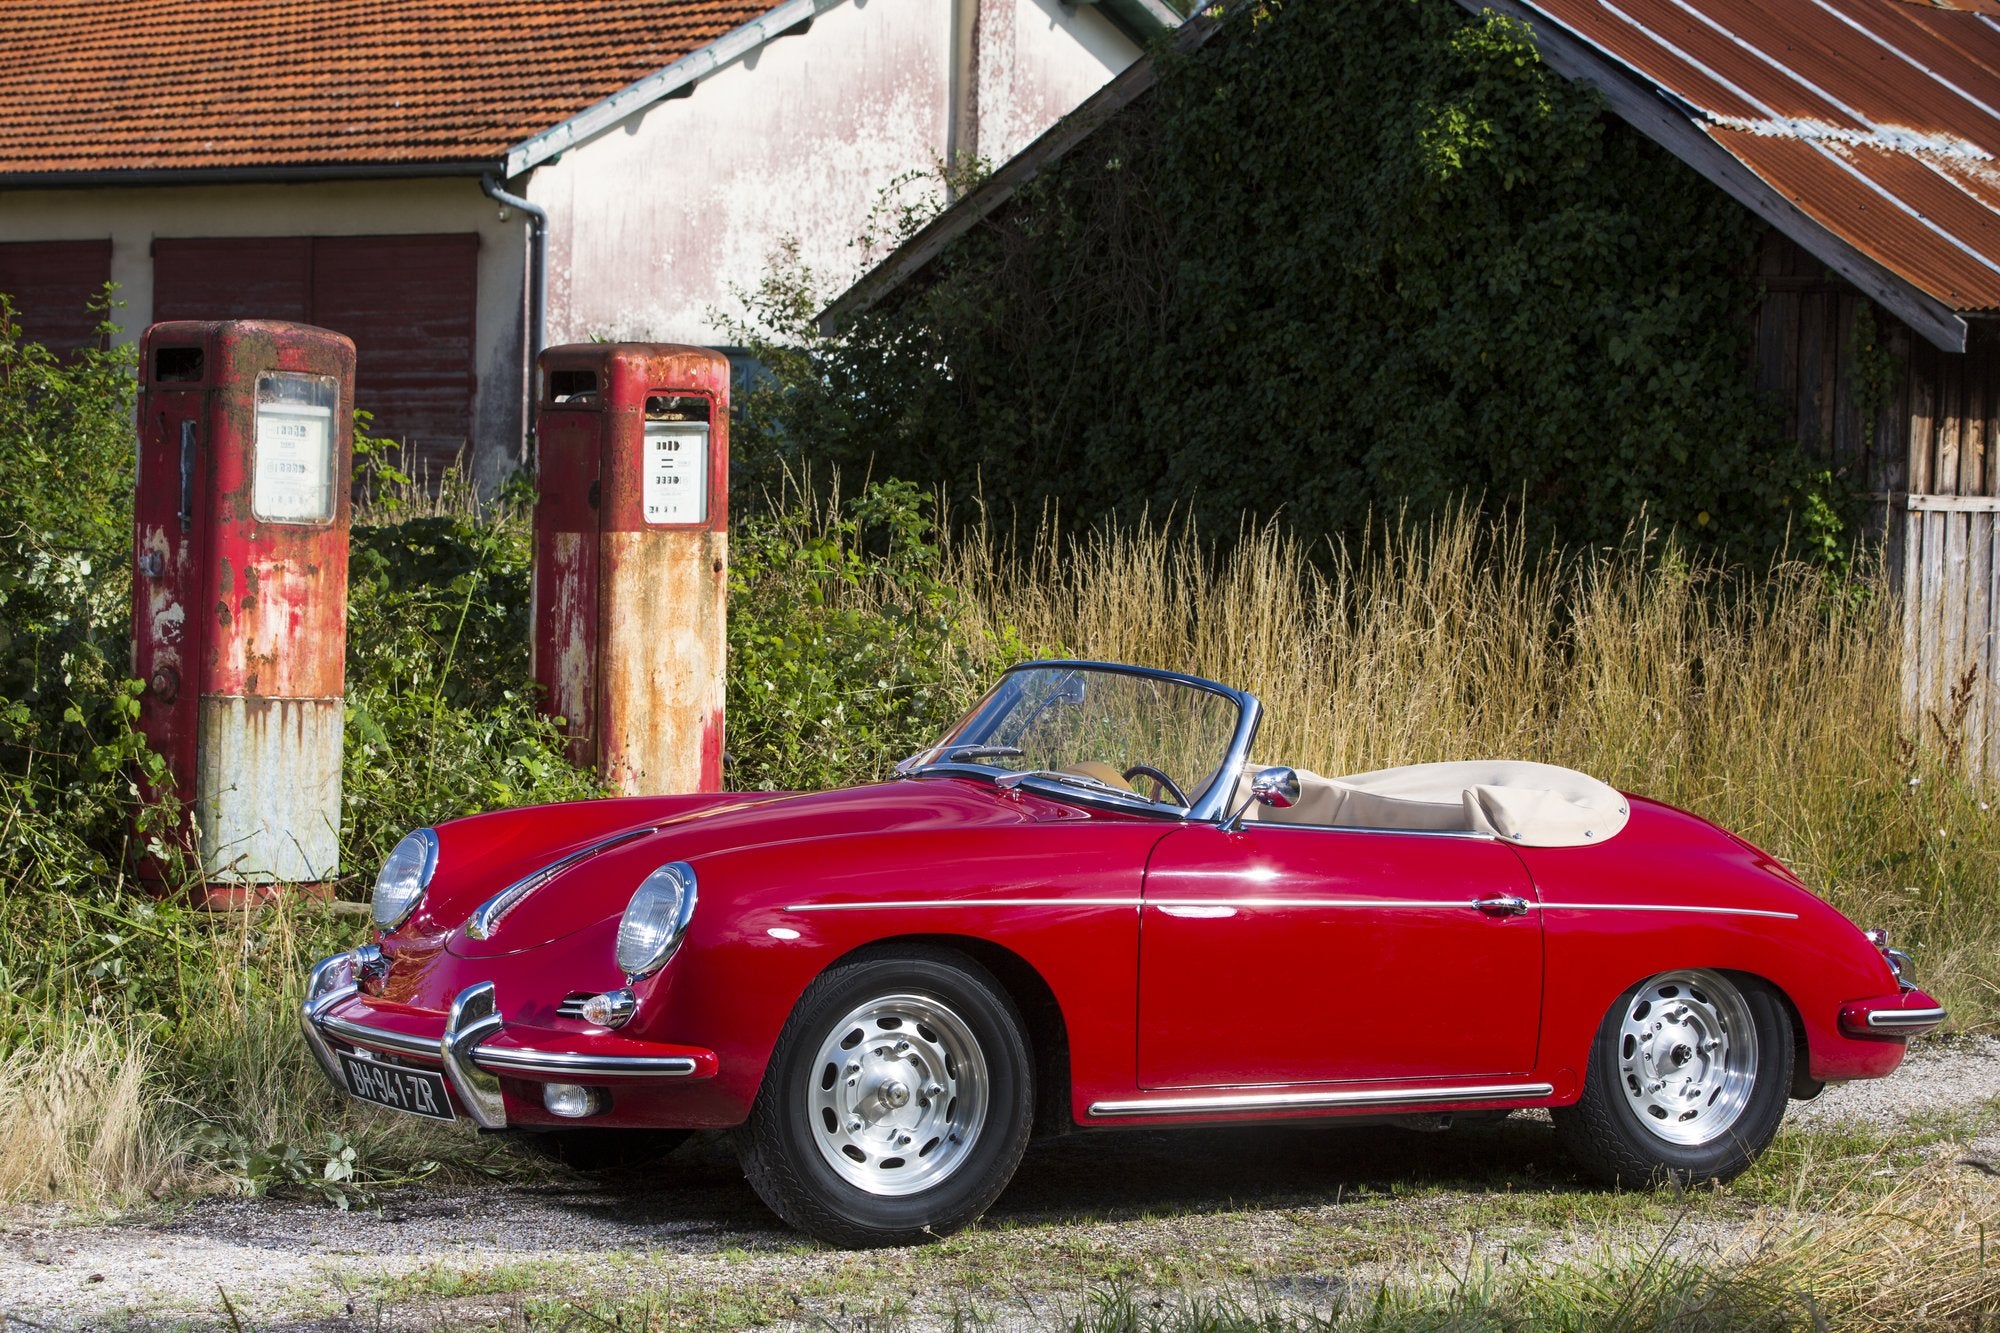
pixel 413 861
pixel 655 920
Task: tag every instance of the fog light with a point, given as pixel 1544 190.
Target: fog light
pixel 570 1101
pixel 609 1010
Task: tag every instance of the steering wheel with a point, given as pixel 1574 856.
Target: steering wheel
pixel 1160 781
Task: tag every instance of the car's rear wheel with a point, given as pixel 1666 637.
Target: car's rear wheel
pixel 897 1103
pixel 1687 1081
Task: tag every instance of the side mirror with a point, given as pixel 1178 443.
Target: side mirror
pixel 1277 788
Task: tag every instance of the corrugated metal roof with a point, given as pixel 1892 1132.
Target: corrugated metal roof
pixel 1879 119
pixel 90 86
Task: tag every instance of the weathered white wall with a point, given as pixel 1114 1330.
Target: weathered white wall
pixel 1037 60
pixel 134 218
pixel 657 223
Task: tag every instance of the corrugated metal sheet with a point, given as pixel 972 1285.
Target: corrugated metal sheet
pixel 1880 119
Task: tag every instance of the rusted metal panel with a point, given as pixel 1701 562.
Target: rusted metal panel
pixel 267 804
pixel 240 587
pixel 631 559
pixel 1880 120
pixel 565 645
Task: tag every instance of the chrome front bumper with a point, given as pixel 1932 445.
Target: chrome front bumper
pixel 471 1063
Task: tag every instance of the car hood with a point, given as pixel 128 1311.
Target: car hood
pixel 611 862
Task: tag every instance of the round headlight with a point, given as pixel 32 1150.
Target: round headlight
pixel 405 876
pixel 655 920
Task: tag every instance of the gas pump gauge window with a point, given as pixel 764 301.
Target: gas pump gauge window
pixel 675 489
pixel 293 473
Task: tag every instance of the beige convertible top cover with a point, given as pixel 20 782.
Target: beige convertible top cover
pixel 1534 805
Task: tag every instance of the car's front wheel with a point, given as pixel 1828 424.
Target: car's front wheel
pixel 897 1103
pixel 1687 1081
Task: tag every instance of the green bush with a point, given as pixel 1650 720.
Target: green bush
pixel 846 647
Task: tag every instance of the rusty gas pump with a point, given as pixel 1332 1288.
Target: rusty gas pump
pixel 239 594
pixel 631 532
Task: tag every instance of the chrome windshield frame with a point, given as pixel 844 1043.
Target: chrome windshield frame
pixel 1209 808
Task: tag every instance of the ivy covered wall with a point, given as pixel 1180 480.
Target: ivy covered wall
pixel 1350 256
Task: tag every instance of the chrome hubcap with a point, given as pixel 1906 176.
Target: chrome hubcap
pixel 1687 1055
pixel 898 1095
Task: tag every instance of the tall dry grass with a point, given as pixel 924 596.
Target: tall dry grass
pixel 1764 699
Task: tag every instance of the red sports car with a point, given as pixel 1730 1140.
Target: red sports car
pixel 1085 907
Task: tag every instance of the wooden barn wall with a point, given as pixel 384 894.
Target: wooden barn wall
pixel 1924 459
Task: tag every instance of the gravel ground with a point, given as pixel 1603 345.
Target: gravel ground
pixel 1303 1210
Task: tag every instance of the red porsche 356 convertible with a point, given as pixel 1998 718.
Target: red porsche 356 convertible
pixel 1085 906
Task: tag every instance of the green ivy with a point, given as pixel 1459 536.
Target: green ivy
pixel 1352 257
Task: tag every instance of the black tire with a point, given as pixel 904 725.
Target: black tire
pixel 788 1146
pixel 591 1150
pixel 1618 1131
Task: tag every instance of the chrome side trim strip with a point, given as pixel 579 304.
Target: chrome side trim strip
pixel 1666 907
pixel 519 1060
pixel 486 917
pixel 1906 1018
pixel 1307 1101
pixel 966 902
pixel 1202 906
pixel 379 1039
pixel 1169 904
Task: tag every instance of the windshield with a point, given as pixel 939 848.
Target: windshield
pixel 1095 730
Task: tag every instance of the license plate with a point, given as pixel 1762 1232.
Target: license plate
pixel 418 1091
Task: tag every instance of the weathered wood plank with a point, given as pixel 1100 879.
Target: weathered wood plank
pixel 1778 357
pixel 1948 418
pixel 1815 376
pixel 1979 634
pixel 1990 687
pixel 1923 411
pixel 1913 603
pixel 1930 628
pixel 1952 504
pixel 1850 449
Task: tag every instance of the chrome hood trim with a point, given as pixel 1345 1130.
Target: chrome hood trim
pixel 486 917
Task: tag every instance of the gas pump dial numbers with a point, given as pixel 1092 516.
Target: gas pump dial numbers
pixel 293 474
pixel 675 487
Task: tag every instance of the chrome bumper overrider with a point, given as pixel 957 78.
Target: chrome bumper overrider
pixel 470 1064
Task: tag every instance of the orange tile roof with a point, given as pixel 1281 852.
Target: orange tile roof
pixel 112 85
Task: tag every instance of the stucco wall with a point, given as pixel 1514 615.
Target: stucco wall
pixel 1037 60
pixel 134 218
pixel 656 223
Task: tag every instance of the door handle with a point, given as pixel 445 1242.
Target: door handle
pixel 1505 906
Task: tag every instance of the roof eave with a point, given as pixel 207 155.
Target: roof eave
pixel 677 79
pixel 1140 20
pixel 1663 119
pixel 286 174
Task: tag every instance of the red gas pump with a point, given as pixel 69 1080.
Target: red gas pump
pixel 239 591
pixel 631 533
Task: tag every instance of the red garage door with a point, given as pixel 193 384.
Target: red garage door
pixel 409 303
pixel 52 284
